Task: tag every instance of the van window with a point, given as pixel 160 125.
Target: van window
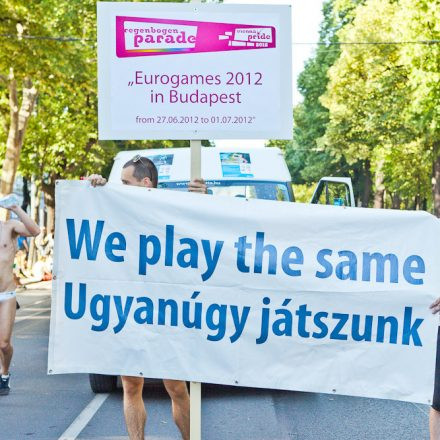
pixel 332 193
pixel 249 189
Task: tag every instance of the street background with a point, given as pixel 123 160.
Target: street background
pixel 367 106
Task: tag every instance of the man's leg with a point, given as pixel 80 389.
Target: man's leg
pixel 7 317
pixel 434 414
pixel 178 392
pixel 434 424
pixel 134 409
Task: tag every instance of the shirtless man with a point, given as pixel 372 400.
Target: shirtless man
pixel 434 413
pixel 140 171
pixel 9 231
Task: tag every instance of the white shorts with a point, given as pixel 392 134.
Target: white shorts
pixel 7 295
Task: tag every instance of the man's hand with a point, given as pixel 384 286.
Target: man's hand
pixel 198 186
pixel 435 306
pixel 13 208
pixel 97 180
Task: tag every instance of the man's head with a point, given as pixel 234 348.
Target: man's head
pixel 139 171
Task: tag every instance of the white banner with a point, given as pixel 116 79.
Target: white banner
pixel 194 71
pixel 256 293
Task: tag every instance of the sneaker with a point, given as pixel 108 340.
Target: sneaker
pixel 4 385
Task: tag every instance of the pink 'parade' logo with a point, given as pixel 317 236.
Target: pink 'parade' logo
pixel 137 37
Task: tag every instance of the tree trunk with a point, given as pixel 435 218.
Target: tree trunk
pixel 417 203
pixel 436 181
pixel 367 185
pixel 26 195
pixel 19 117
pixel 395 201
pixel 49 201
pixel 380 187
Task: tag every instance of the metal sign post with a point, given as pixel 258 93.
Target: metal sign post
pixel 196 387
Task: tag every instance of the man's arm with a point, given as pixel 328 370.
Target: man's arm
pixel 26 226
pixel 435 306
pixel 196 185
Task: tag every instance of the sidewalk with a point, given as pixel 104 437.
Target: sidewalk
pixel 32 287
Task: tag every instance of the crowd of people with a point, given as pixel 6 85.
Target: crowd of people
pixel 38 266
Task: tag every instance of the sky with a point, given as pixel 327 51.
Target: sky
pixel 306 19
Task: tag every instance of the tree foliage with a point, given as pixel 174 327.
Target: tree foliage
pixel 383 98
pixel 371 105
pixel 63 126
pixel 308 161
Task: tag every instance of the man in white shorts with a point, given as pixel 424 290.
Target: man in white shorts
pixel 9 231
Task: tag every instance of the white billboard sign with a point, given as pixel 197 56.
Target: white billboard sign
pixel 185 71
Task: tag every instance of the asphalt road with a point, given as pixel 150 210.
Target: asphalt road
pixel 42 407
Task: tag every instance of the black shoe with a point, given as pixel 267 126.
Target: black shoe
pixel 4 385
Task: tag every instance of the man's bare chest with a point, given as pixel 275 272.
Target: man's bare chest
pixel 7 240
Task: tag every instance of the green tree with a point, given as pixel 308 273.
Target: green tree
pixel 307 159
pixel 419 20
pixel 367 91
pixel 51 45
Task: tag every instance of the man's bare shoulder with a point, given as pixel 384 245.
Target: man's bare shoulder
pixel 12 224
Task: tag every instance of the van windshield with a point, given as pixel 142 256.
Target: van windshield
pixel 249 189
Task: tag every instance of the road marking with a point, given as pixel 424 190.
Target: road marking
pixel 426 413
pixel 23 318
pixel 34 309
pixel 33 292
pixel 22 325
pixel 34 318
pixel 30 305
pixel 20 320
pixel 35 303
pixel 74 430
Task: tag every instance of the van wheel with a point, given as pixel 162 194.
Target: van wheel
pixel 102 383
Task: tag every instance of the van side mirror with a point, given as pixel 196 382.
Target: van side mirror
pixel 337 191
